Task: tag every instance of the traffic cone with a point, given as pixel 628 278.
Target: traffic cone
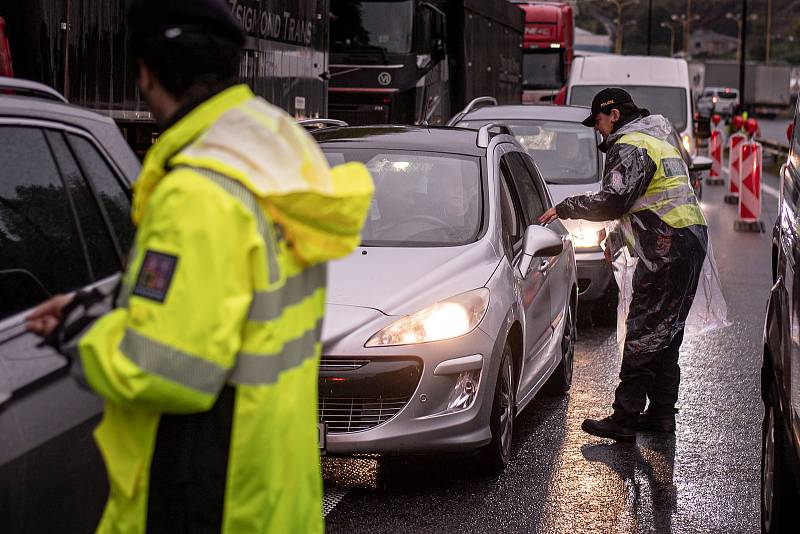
pixel 715 153
pixel 750 190
pixel 734 161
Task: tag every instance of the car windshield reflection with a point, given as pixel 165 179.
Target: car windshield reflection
pixel 420 199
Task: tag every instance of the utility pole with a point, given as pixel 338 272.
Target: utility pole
pixel 742 53
pixel 620 4
pixel 67 27
pixel 687 29
pixel 650 28
pixel 769 30
pixel 671 29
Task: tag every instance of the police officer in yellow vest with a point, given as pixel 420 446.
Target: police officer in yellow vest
pixel 646 189
pixel 208 363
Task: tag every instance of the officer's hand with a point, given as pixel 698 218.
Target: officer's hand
pixel 549 216
pixel 46 316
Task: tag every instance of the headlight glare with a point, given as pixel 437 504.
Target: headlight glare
pixel 687 143
pixel 447 319
pixel 584 235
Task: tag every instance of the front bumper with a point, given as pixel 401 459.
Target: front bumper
pixel 594 275
pixel 395 402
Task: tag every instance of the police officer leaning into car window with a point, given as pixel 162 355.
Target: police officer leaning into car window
pixel 659 223
pixel 208 362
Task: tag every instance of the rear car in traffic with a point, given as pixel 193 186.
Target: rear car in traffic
pixel 721 100
pixel 565 153
pixel 456 309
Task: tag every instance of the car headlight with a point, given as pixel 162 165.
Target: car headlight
pixel 687 143
pixel 447 319
pixel 585 235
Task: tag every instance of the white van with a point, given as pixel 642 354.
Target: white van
pixel 659 84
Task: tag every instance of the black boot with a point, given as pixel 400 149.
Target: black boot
pixel 608 428
pixel 656 422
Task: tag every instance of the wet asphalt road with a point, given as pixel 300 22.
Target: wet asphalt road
pixel 560 480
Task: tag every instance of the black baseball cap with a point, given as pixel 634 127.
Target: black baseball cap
pixel 605 101
pixel 148 18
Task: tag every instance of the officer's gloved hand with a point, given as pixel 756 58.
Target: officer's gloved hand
pixel 86 307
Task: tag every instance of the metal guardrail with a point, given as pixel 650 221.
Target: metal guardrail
pixel 775 148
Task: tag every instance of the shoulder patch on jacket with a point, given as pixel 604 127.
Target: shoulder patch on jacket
pixel 155 275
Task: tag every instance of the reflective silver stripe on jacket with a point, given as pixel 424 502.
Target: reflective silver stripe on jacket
pixel 269 305
pixel 676 198
pixel 172 364
pixel 264 369
pixel 246 197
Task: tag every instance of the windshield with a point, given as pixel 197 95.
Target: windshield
pixel 667 101
pixel 542 70
pixel 565 152
pixel 357 24
pixel 420 199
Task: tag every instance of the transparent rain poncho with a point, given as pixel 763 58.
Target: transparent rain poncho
pixel 667 276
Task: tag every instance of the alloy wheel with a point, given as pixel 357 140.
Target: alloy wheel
pixel 568 344
pixel 506 406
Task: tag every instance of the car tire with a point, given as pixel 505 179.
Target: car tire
pixel 495 457
pixel 561 379
pixel 779 495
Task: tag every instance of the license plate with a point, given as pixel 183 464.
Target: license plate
pixel 323 432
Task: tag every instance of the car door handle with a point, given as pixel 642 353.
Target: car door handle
pixel 544 266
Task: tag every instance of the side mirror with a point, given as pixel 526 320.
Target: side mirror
pixel 700 163
pixel 539 242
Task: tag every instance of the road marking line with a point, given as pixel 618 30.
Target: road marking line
pixel 771 191
pixel 331 496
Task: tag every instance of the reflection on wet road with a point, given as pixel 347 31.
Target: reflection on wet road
pixel 703 479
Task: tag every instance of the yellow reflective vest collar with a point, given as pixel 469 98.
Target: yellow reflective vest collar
pixel 669 195
pixel 177 137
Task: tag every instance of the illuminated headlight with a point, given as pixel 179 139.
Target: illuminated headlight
pixel 585 235
pixel 447 319
pixel 687 143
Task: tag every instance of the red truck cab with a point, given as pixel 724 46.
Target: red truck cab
pixel 5 52
pixel 548 47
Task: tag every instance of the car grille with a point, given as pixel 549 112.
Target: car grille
pixel 355 414
pixel 357 394
pixel 341 364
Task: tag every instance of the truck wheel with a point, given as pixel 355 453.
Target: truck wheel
pixel 779 497
pixel 495 457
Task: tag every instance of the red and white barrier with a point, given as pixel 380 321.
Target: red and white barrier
pixel 715 153
pixel 750 188
pixel 734 145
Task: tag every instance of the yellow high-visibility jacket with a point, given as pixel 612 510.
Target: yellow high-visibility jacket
pixel 208 364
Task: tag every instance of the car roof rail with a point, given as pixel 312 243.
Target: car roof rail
pixel 485 134
pixel 474 104
pixel 324 123
pixel 28 88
